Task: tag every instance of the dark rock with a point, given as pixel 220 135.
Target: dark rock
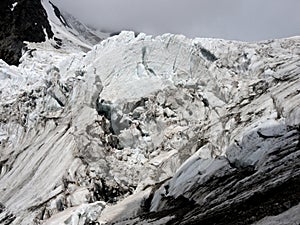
pixel 25 23
pixel 6 217
pixel 59 16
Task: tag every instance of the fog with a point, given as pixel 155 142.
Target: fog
pixel 248 20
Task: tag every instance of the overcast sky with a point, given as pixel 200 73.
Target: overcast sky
pixel 248 20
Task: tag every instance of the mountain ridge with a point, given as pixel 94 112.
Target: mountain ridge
pixel 39 21
pixel 23 23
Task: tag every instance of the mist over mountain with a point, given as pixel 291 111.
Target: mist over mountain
pixel 127 128
pixel 242 20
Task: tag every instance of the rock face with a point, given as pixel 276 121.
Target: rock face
pixel 37 21
pixel 144 130
pixel 21 21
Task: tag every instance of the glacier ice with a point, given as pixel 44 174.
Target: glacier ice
pixel 150 130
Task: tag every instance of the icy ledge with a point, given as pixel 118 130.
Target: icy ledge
pixel 144 130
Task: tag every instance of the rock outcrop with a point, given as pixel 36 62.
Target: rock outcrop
pixel 21 21
pixel 143 130
pixel 25 21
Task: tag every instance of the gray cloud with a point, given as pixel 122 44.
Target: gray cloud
pixel 248 20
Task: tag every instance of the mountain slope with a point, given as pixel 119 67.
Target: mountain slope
pixel 37 21
pixel 21 21
pixel 69 31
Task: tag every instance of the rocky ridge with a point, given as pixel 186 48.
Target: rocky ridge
pixel 144 130
pixel 37 21
pixel 21 21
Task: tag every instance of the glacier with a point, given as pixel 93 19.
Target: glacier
pixel 150 130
